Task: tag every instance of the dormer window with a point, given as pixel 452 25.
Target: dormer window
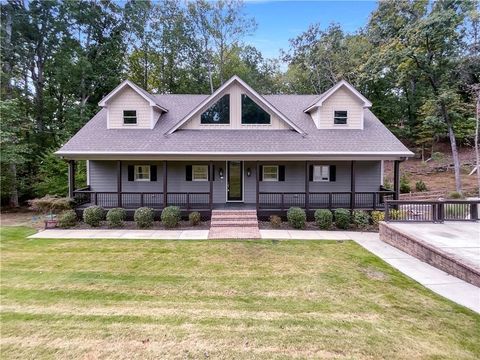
pixel 129 117
pixel 218 113
pixel 252 113
pixel 340 117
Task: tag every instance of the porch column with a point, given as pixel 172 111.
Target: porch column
pixel 71 178
pixel 210 178
pixel 119 182
pixel 307 187
pixel 165 184
pixel 396 180
pixel 352 185
pixel 257 175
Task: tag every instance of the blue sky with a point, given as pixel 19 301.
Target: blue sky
pixel 279 21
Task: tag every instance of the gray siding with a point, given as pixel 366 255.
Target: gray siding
pixel 103 177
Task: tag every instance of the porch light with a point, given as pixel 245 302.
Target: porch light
pixel 220 173
pixel 249 172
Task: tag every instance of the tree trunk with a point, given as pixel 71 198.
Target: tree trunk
pixel 477 150
pixel 13 190
pixel 453 144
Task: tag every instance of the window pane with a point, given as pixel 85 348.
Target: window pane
pixel 321 173
pixel 270 173
pixel 325 173
pixel 129 116
pixel 317 173
pixel 218 113
pixel 200 173
pixel 142 172
pixel 340 117
pixel 252 113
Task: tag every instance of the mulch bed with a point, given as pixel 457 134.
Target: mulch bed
pixel 157 225
pixel 310 225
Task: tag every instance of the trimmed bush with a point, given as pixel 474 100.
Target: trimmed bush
pixel 93 215
pixel 144 217
pixel 342 218
pixel 116 216
pixel 275 221
pixel 420 186
pixel 67 219
pixel 377 216
pixel 296 217
pixel 323 218
pixel 171 216
pixel 194 218
pixel 405 187
pixel 361 219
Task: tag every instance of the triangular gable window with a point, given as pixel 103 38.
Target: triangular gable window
pixel 252 113
pixel 218 113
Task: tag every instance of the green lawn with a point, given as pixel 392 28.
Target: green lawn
pixel 218 299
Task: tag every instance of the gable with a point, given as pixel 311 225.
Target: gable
pixel 235 87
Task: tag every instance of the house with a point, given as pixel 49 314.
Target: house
pixel 234 148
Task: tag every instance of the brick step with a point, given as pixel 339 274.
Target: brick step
pixel 234 212
pixel 234 224
pixel 234 217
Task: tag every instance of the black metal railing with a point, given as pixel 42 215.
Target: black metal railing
pixel 133 200
pixel 323 200
pixel 432 211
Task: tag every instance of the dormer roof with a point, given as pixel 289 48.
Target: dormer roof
pixel 321 99
pixel 152 100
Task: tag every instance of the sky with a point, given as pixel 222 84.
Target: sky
pixel 278 21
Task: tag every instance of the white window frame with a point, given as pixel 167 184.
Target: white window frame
pixel 318 173
pixel 137 173
pixel 130 117
pixel 271 167
pixel 340 117
pixel 201 168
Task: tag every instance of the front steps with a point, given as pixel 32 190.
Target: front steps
pixel 234 224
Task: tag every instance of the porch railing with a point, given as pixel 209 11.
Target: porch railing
pixel 134 200
pixel 323 200
pixel 431 211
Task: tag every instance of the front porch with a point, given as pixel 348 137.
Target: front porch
pixel 357 187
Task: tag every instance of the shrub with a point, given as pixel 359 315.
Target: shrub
pixel 171 216
pixel 361 219
pixel 342 218
pixel 115 217
pixel 323 218
pixel 398 214
pixel 296 217
pixel 437 156
pixel 275 221
pixel 404 185
pixel 194 218
pixel 67 219
pixel 455 195
pixel 377 216
pixel 387 184
pixel 144 217
pixel 50 203
pixel 420 186
pixel 93 215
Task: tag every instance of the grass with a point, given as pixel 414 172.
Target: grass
pixel 218 299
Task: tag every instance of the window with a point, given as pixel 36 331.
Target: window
pixel 321 173
pixel 340 117
pixel 142 172
pixel 252 113
pixel 129 117
pixel 200 172
pixel 270 173
pixel 218 113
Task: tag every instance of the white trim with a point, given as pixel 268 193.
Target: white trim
pixel 321 180
pixel 382 171
pixel 332 90
pixel 135 88
pixel 193 172
pixel 87 165
pixel 270 180
pixel 243 182
pixel 255 96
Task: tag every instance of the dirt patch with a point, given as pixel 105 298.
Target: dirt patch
pixel 21 217
pixel 375 274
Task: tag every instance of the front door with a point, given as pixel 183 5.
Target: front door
pixel 234 180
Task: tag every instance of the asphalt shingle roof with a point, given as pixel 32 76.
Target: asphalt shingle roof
pixel 95 137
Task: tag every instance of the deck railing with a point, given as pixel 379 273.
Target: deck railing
pixel 432 211
pixel 134 200
pixel 323 200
